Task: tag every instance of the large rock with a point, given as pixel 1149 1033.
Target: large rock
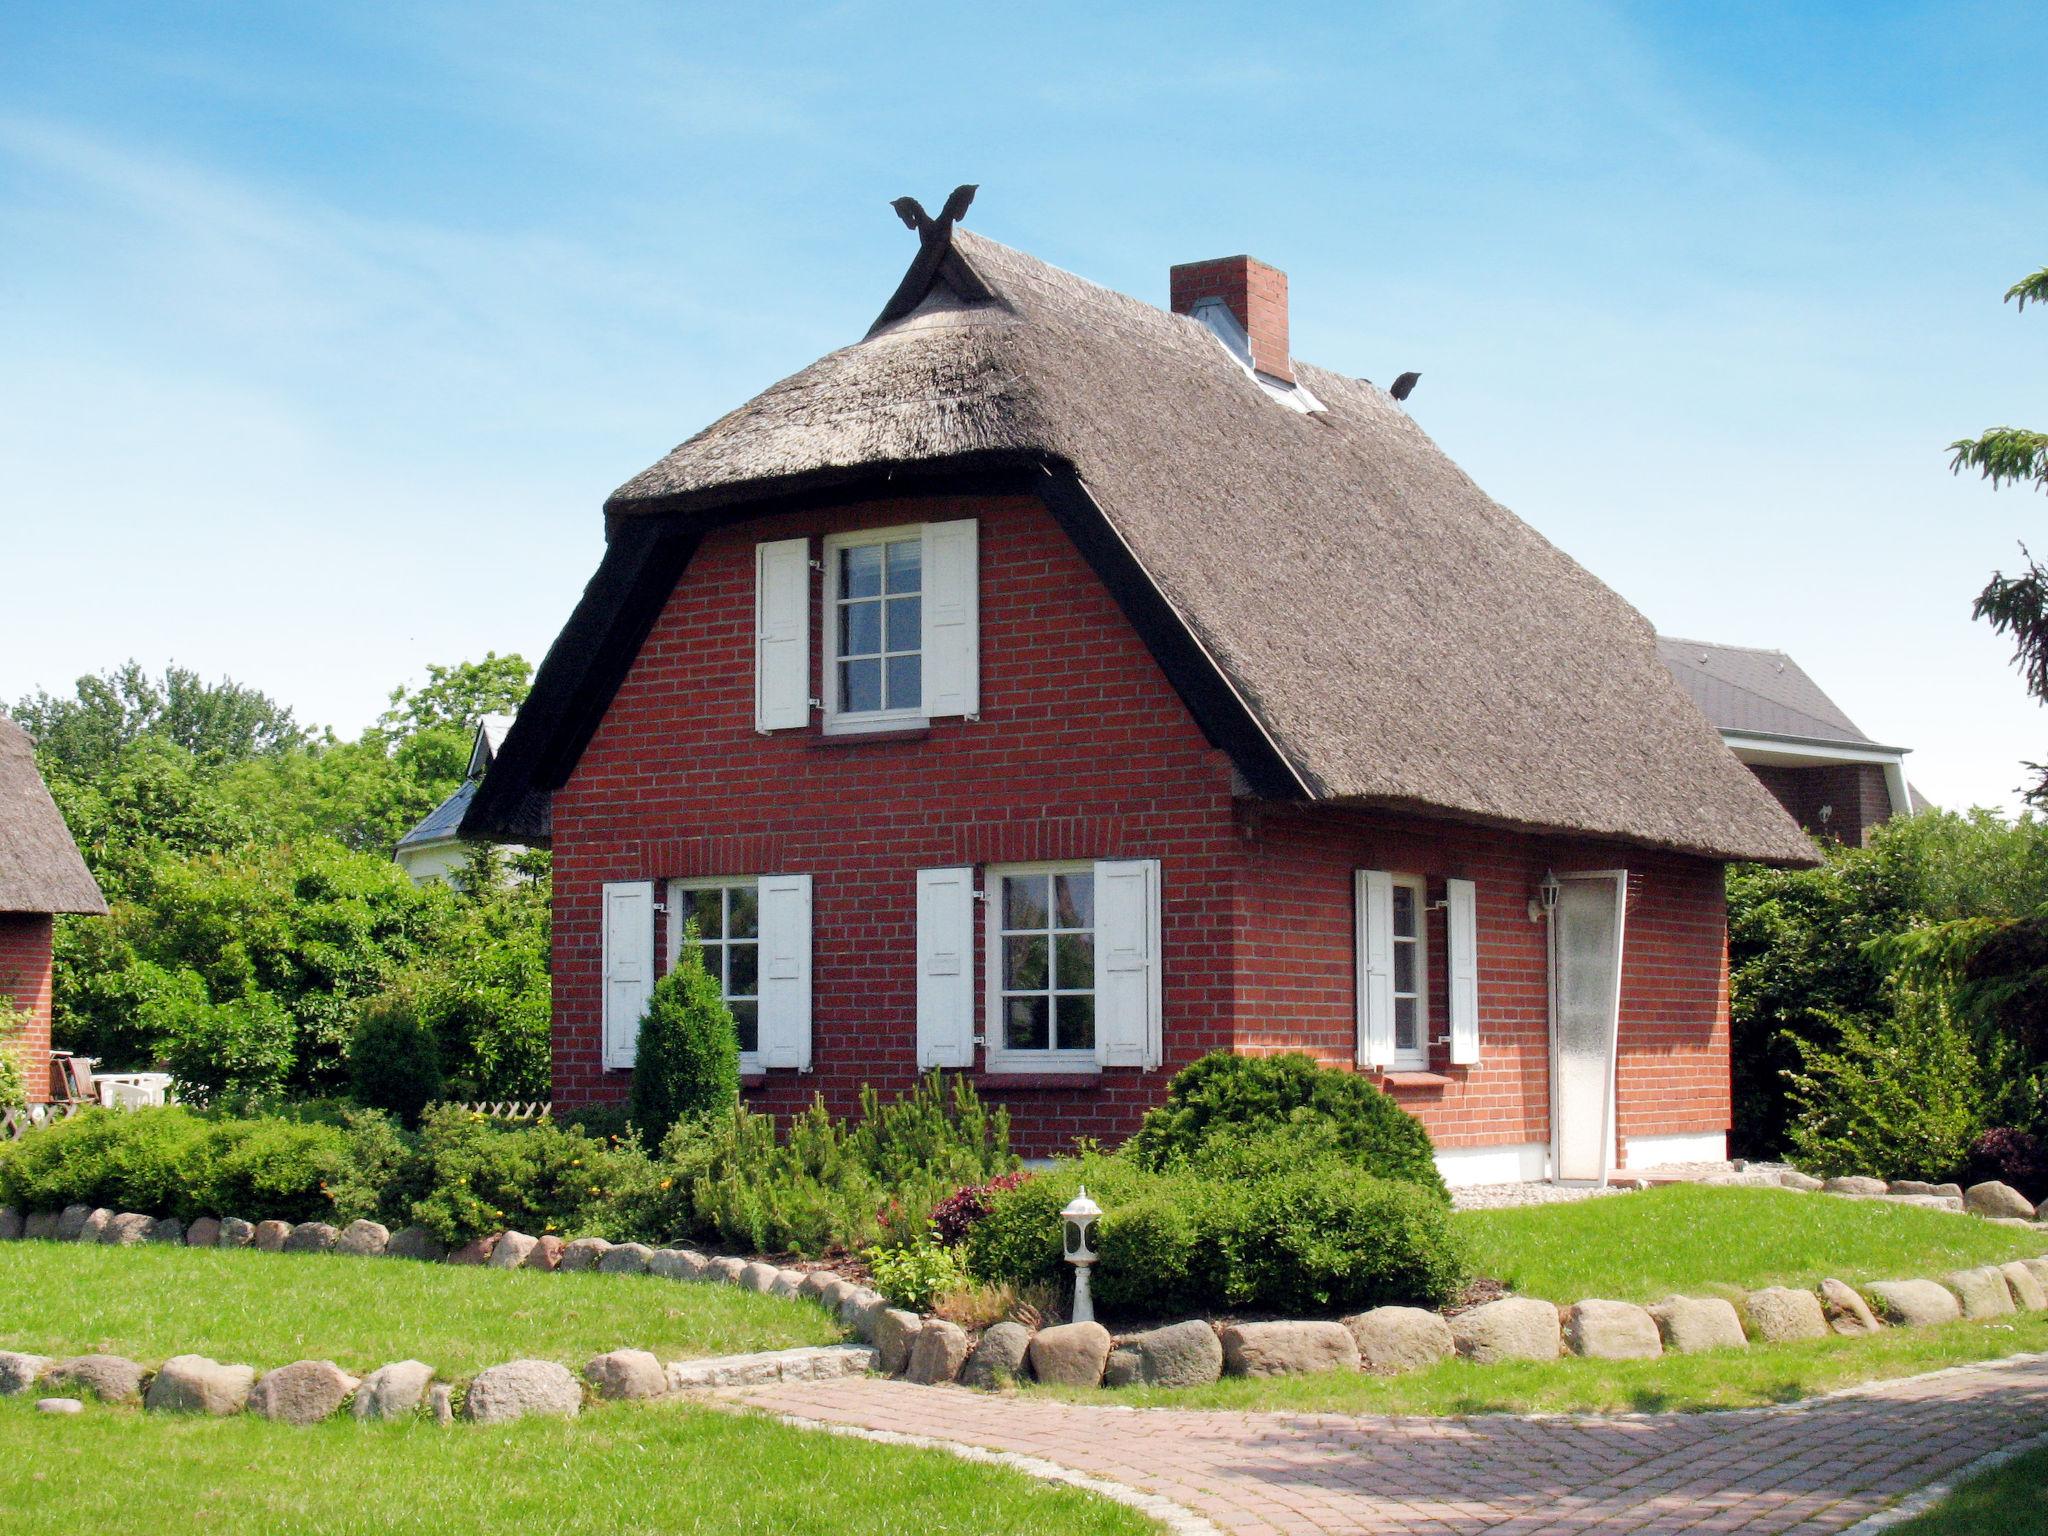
pixel 1927 1202
pixel 524 1389
pixel 270 1235
pixel 2028 1294
pixel 1611 1330
pixel 1395 1339
pixel 1287 1348
pixel 394 1391
pixel 476 1252
pixel 1179 1355
pixel 998 1356
pixel 814 1285
pixel 1690 1325
pixel 835 1293
pixel 676 1264
pixel 1853 1184
pixel 96 1224
pixel 60 1405
pixel 938 1354
pixel 757 1277
pixel 130 1229
pixel 1513 1328
pixel 363 1239
pixel 725 1269
pixel 625 1259
pixel 235 1233
pixel 1914 1303
pixel 1982 1292
pixel 547 1253
pixel 2038 1268
pixel 195 1384
pixel 626 1374
pixel 416 1243
pixel 861 1310
pixel 1846 1310
pixel 1922 1187
pixel 304 1392
pixel 583 1253
pixel 1778 1314
pixel 513 1250
pixel 1072 1354
pixel 1792 1178
pixel 18 1372
pixel 110 1378
pixel 1992 1198
pixel 788 1284
pixel 41 1225
pixel 895 1332
pixel 312 1237
pixel 170 1231
pixel 10 1223
pixel 203 1233
pixel 71 1222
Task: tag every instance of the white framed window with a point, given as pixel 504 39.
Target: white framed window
pixel 728 918
pixel 875 628
pixel 1041 968
pixel 1411 974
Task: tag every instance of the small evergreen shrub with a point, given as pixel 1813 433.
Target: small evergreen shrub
pixel 1226 1096
pixel 477 1176
pixel 262 1169
pixel 394 1061
pixel 688 1061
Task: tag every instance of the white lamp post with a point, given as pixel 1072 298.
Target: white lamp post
pixel 1078 1220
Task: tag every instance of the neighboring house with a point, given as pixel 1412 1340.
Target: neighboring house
pixel 435 849
pixel 1053 688
pixel 1833 779
pixel 41 874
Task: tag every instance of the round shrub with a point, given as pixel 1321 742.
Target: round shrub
pixel 688 1062
pixel 264 1169
pixel 394 1061
pixel 1328 1240
pixel 1226 1095
pixel 130 1160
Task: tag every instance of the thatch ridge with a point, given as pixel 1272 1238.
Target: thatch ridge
pixel 1403 638
pixel 40 867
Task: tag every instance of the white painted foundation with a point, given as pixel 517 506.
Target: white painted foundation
pixel 1650 1151
pixel 1515 1163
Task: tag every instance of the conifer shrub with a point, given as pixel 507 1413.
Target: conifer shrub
pixel 687 1066
pixel 394 1060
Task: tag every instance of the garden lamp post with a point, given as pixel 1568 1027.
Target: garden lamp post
pixel 1078 1220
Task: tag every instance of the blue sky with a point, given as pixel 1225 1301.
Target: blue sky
pixel 328 328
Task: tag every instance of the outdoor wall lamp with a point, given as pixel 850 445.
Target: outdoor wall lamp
pixel 1079 1222
pixel 1546 899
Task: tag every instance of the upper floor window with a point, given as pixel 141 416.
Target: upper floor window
pixel 877 623
pixel 728 920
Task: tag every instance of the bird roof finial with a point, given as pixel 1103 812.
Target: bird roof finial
pixel 912 213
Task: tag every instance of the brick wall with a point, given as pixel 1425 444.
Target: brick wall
pixel 1856 794
pixel 25 980
pixel 1082 751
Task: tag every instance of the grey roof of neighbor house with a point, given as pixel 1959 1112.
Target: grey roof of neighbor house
pixel 40 866
pixel 1757 692
pixel 1399 638
pixel 444 822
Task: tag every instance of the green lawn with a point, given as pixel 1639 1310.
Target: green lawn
pixel 1736 1378
pixel 2009 1501
pixel 268 1309
pixel 1697 1240
pixel 619 1469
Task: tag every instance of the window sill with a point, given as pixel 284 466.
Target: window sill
pixel 877 737
pixel 1000 1082
pixel 1413 1079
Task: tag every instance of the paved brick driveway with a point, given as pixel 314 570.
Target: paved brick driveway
pixel 1818 1466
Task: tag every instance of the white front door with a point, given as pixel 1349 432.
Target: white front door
pixel 1585 1011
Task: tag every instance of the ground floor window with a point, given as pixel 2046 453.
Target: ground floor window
pixel 1411 981
pixel 728 920
pixel 1042 966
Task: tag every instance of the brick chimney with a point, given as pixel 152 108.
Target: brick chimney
pixel 1254 292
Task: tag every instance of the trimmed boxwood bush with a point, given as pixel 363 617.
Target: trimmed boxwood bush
pixel 687 1065
pixel 1224 1096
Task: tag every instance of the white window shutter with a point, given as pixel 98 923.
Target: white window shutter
pixel 1375 899
pixel 945 968
pixel 628 965
pixel 952 619
pixel 785 960
pixel 1127 1021
pixel 1461 944
pixel 782 635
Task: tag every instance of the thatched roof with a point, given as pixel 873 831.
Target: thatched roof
pixel 1388 634
pixel 40 870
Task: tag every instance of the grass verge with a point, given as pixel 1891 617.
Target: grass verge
pixel 629 1468
pixel 268 1309
pixel 2011 1500
pixel 1698 1240
pixel 1744 1378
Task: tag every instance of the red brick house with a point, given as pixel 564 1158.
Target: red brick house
pixel 1055 688
pixel 41 874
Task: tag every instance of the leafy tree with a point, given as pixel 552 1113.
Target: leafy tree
pixel 457 697
pixel 217 723
pixel 2016 606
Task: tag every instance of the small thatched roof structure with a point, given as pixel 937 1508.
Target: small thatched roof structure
pixel 1337 602
pixel 40 870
